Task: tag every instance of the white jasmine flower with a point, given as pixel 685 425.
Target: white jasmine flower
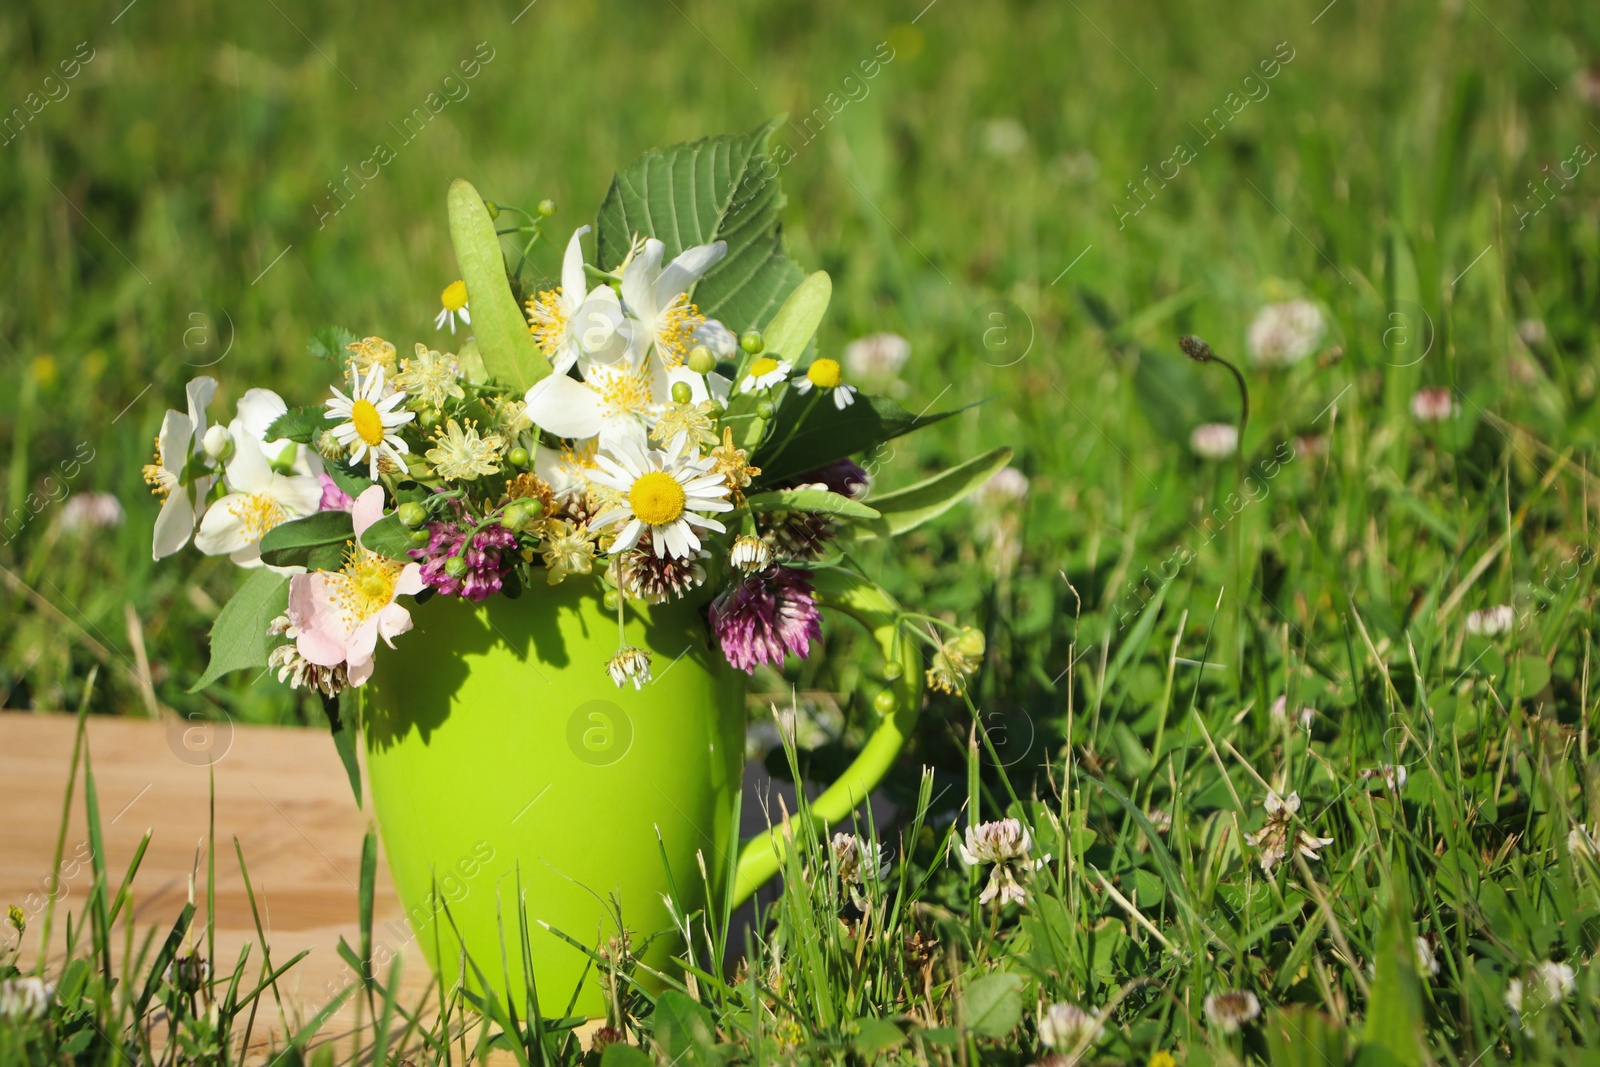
pixel 825 374
pixel 763 373
pixel 183 499
pixel 877 356
pixel 573 319
pixel 1006 844
pixel 1230 1011
pixel 665 493
pixel 454 301
pixel 1491 621
pixel 258 499
pixel 1065 1026
pixel 1214 440
pixel 657 297
pixel 372 419
pixel 1285 333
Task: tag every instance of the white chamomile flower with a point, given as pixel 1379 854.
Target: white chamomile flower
pixel 258 499
pixel 664 493
pixel 371 420
pixel 764 373
pixel 454 299
pixel 826 374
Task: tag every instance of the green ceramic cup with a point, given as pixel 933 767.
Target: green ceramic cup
pixel 504 765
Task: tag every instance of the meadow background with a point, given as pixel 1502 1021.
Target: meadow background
pixel 185 204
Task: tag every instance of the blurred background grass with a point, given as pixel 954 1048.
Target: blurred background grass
pixel 168 212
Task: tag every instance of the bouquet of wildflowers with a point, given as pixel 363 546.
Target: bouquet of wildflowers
pixel 657 423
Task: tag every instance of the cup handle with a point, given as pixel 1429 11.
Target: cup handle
pixel 761 856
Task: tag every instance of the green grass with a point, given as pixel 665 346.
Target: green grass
pixel 1384 175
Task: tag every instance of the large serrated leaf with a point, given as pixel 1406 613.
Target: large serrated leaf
pixel 239 637
pixel 298 424
pixel 717 189
pixel 508 349
pixel 808 432
pixel 906 509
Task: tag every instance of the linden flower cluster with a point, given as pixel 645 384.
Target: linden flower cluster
pixel 630 464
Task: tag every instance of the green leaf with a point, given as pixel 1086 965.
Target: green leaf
pixel 329 343
pixel 239 638
pixel 808 432
pixel 298 424
pixel 1301 1036
pixel 906 509
pixel 624 1056
pixel 508 349
pixel 683 1029
pixel 316 542
pixel 389 537
pixel 1394 1007
pixel 992 1005
pixel 792 328
pixel 352 484
pixel 874 1037
pixel 717 189
pixel 344 717
pixel 820 501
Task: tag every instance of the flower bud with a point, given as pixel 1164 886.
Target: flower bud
pixel 429 418
pixel 970 642
pixel 751 342
pixel 455 567
pixel 610 600
pixel 493 208
pixel 518 457
pixel 702 360
pixel 681 393
pixel 513 517
pixel 218 443
pixel 420 537
pixel 412 514
pixel 547 207
pixel 885 702
pixel 764 409
pixel 892 670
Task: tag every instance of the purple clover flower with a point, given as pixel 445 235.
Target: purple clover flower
pixel 765 617
pixel 489 558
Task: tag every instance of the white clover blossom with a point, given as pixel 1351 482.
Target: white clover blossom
pixel 1280 837
pixel 1285 333
pixel 1005 843
pixel 1231 1010
pixel 25 997
pixel 1065 1026
pixel 1490 622
pixel 1214 440
pixel 877 356
pixel 1432 405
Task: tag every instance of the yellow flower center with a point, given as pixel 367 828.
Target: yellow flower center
pixel 368 423
pixel 623 391
pixel 546 321
pixel 454 297
pixel 657 498
pixel 675 329
pixel 825 374
pixel 257 513
pixel 763 366
pixel 368 585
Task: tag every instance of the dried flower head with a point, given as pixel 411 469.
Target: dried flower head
pixel 299 672
pixel 630 664
pixel 187 974
pixel 733 464
pixel 642 574
pixel 1280 836
pixel 750 554
pixel 1230 1011
pixel 858 860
